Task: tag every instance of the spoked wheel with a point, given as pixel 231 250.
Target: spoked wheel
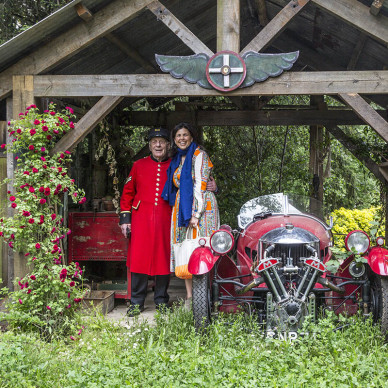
pixel 379 301
pixel 201 301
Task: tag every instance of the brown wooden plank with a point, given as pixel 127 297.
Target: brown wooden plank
pixel 83 12
pixel 228 25
pixel 366 113
pixel 88 122
pixel 262 12
pixel 357 14
pixel 70 42
pixel 23 93
pixel 275 26
pixel 178 28
pixel 267 117
pixel 163 85
pixel 357 51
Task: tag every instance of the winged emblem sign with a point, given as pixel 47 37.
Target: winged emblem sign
pixel 226 70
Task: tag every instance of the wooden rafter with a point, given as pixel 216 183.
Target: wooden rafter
pixel 357 15
pixel 178 28
pixel 87 123
pixel 267 117
pixel 357 51
pixel 366 113
pixel 111 17
pixel 163 85
pixel 376 6
pixel 275 26
pixel 262 12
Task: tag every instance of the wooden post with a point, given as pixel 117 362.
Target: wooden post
pixel 228 25
pixel 22 97
pixel 316 154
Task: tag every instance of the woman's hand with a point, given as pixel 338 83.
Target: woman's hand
pixel 193 222
pixel 125 229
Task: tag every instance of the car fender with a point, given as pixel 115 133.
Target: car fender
pixel 201 261
pixel 378 260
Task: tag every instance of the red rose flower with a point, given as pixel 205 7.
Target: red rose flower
pixel 45 128
pixel 34 169
pixel 42 201
pixel 29 291
pixel 20 301
pixel 49 137
pixel 83 200
pixel 47 191
pixel 12 198
pixel 53 216
pixel 42 158
pixel 33 277
pixel 72 284
pixel 19 131
pixel 31 147
pixel 44 166
pixel 14 205
pixel 36 122
pixel 31 190
pixel 37 246
pixel 2 146
pixel 31 221
pixel 71 125
pixel 48 307
pixel 26 173
pixel 52 113
pixel 32 131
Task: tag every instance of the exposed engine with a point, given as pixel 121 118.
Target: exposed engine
pixel 289 264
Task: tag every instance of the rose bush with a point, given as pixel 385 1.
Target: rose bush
pixel 47 298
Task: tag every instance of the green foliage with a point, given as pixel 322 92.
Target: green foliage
pixel 233 353
pixel 47 299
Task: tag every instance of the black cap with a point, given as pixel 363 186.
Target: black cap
pixel 159 132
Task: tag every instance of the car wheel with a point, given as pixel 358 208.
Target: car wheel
pixel 379 299
pixel 201 301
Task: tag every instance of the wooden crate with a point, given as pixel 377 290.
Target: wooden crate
pixel 102 301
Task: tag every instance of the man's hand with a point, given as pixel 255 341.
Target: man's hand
pixel 125 229
pixel 211 184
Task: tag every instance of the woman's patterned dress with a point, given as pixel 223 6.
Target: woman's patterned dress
pixel 204 202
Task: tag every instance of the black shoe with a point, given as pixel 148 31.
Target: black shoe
pixel 134 310
pixel 162 307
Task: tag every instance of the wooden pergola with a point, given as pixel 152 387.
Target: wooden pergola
pixel 103 51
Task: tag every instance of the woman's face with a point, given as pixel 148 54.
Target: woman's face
pixel 183 138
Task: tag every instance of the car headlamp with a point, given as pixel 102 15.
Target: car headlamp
pixel 358 241
pixel 221 241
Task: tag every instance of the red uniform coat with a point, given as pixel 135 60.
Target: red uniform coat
pixel 149 250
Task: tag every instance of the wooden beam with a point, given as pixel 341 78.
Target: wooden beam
pixel 70 42
pixel 178 28
pixel 357 51
pixel 163 85
pixel 366 113
pixel 357 151
pixel 262 12
pixel 228 25
pixel 23 93
pixel 88 122
pixel 275 26
pixel 268 117
pixel 357 14
pixel 376 6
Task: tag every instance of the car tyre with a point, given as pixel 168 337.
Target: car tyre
pixel 201 301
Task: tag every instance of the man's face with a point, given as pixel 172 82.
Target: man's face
pixel 159 148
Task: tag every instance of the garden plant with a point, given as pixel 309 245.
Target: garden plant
pixel 47 298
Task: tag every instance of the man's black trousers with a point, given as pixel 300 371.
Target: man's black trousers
pixel 139 284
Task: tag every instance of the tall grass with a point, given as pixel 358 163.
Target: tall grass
pixel 232 353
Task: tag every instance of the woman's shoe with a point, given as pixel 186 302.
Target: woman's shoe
pixel 188 303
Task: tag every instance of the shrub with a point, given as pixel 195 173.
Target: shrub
pixel 46 299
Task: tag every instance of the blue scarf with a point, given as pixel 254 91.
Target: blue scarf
pixel 186 185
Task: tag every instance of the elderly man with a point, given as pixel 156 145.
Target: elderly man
pixel 147 217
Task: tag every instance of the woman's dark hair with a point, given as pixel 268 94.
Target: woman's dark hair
pixel 190 128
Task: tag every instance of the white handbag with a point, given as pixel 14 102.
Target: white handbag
pixel 183 251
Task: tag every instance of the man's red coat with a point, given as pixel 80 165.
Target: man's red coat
pixel 149 248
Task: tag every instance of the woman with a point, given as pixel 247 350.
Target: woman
pixel 185 189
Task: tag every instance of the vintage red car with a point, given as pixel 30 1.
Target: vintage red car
pixel 275 266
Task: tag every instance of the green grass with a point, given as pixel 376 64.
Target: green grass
pixel 232 353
